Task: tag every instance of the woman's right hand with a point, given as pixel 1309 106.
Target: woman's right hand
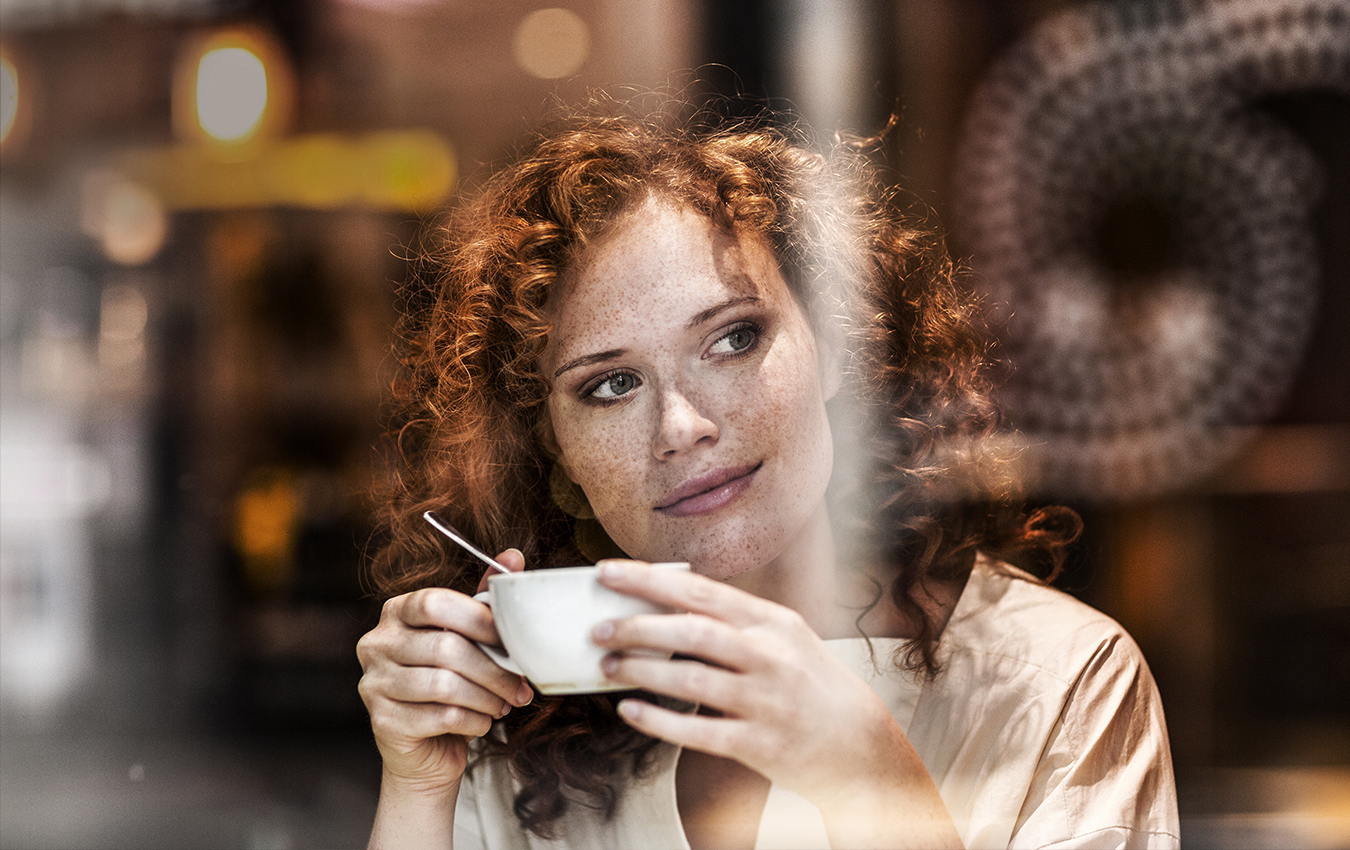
pixel 428 688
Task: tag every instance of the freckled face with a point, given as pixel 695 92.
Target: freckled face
pixel 688 402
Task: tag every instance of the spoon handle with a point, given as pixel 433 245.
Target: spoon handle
pixel 445 528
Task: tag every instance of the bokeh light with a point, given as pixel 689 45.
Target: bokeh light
pixel 397 169
pixel 9 97
pixel 123 313
pixel 552 43
pixel 126 217
pixel 233 88
pixel 231 93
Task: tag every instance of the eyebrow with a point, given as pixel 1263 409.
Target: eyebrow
pixel 698 319
pixel 590 359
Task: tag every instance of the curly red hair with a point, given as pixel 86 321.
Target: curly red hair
pixel 470 432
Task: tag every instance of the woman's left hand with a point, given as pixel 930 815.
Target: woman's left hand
pixel 788 708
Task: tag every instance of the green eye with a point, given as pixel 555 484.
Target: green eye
pixel 739 340
pixel 736 340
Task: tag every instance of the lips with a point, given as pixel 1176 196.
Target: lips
pixel 708 492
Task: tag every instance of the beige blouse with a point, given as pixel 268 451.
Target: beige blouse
pixel 1043 730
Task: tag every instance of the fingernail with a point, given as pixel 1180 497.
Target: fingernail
pixel 603 631
pixel 629 709
pixel 517 551
pixel 610 664
pixel 523 694
pixel 506 709
pixel 610 569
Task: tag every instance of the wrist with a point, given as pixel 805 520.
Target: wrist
pixel 861 801
pixel 893 802
pixel 428 790
pixel 895 815
pixel 414 813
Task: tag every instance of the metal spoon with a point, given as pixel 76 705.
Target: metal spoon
pixel 445 528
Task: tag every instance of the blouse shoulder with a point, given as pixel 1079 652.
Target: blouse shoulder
pixel 1005 613
pixel 1059 704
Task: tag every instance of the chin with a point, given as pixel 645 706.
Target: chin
pixel 724 561
pixel 732 545
pixel 721 569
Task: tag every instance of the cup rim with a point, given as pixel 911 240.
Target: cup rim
pixel 540 571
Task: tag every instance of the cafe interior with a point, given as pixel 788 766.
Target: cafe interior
pixel 207 208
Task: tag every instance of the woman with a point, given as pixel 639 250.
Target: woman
pixel 709 344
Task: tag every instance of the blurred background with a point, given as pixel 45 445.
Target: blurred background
pixel 204 213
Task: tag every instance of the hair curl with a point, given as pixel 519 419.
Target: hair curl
pixel 469 431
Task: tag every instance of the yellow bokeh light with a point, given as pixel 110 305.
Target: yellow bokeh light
pixel 9 97
pixel 231 93
pixel 402 170
pixel 266 525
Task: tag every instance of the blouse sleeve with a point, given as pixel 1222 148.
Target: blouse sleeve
pixel 1105 777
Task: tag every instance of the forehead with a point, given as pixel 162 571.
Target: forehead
pixel 660 260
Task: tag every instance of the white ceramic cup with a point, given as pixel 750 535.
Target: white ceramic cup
pixel 545 619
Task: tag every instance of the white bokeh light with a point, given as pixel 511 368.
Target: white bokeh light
pixel 552 43
pixel 231 93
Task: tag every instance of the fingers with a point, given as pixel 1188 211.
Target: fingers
pixel 424 637
pixel 691 681
pixel 512 559
pixel 430 652
pixel 439 608
pixel 437 685
pixel 686 591
pixel 719 736
pixel 400 720
pixel 683 634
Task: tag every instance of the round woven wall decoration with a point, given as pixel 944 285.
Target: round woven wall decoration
pixel 1143 232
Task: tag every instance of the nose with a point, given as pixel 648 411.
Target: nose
pixel 682 426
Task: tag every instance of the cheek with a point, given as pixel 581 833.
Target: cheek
pixel 602 460
pixel 608 466
pixel 793 402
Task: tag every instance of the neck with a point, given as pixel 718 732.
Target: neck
pixel 833 597
pixel 802 577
